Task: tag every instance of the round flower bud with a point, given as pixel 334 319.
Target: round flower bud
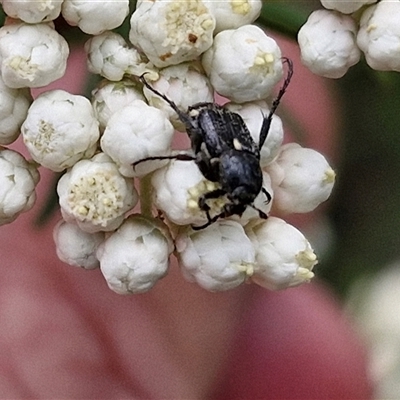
pixel 32 12
pixel 95 195
pixel 243 64
pixel 60 129
pixel 14 104
pixel 328 43
pixel 76 247
pixel 177 188
pixel 379 35
pixel 345 7
pixel 170 32
pixel 253 114
pixel 232 14
pixel 110 97
pixel 185 85
pixel 18 180
pixel 219 257
pixel 110 56
pixel 95 17
pixel 301 179
pixel 135 132
pixel 31 55
pixel 284 257
pixel 136 256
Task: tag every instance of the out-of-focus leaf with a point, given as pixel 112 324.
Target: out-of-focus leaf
pixel 285 17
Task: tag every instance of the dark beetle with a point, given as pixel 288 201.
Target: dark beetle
pixel 225 152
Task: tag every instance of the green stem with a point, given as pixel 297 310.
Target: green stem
pixel 283 17
pixel 145 196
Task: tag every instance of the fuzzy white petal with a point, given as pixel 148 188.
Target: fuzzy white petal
pixel 170 32
pixel 284 257
pixel 18 180
pixel 136 256
pixel 31 55
pixel 135 132
pixel 60 129
pixel 95 195
pixel 301 179
pixel 76 247
pixel 243 64
pixel 218 258
pixel 328 43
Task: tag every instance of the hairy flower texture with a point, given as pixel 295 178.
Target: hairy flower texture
pixel 231 14
pixel 284 258
pixel 32 12
pixel 185 84
pixel 328 43
pixel 243 64
pixel 60 129
pixel 31 55
pixel 75 246
pixel 346 7
pixel 110 56
pixel 136 256
pixel 95 17
pixel 301 179
pixel 110 97
pixel 253 114
pixel 220 257
pixel 14 104
pixel 171 31
pixel 18 180
pixel 95 195
pixel 379 35
pixel 135 132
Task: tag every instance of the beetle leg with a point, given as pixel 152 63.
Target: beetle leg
pixel 267 195
pixel 180 157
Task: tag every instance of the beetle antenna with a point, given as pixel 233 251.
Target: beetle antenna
pixel 182 116
pixel 267 121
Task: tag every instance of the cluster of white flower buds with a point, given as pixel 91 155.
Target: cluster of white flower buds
pixel 333 39
pixel 189 50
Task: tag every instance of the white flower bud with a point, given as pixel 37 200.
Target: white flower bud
pixel 379 35
pixel 76 247
pixel 135 132
pixel 60 129
pixel 301 179
pixel 31 55
pixel 110 56
pixel 232 14
pixel 95 17
pixel 32 12
pixel 135 257
pixel 253 114
pixel 18 180
pixel 284 257
pixel 95 195
pixel 185 85
pixel 171 31
pixel 243 64
pixel 328 43
pixel 345 7
pixel 14 104
pixel 110 97
pixel 220 257
pixel 177 188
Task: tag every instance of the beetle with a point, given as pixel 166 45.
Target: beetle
pixel 224 152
